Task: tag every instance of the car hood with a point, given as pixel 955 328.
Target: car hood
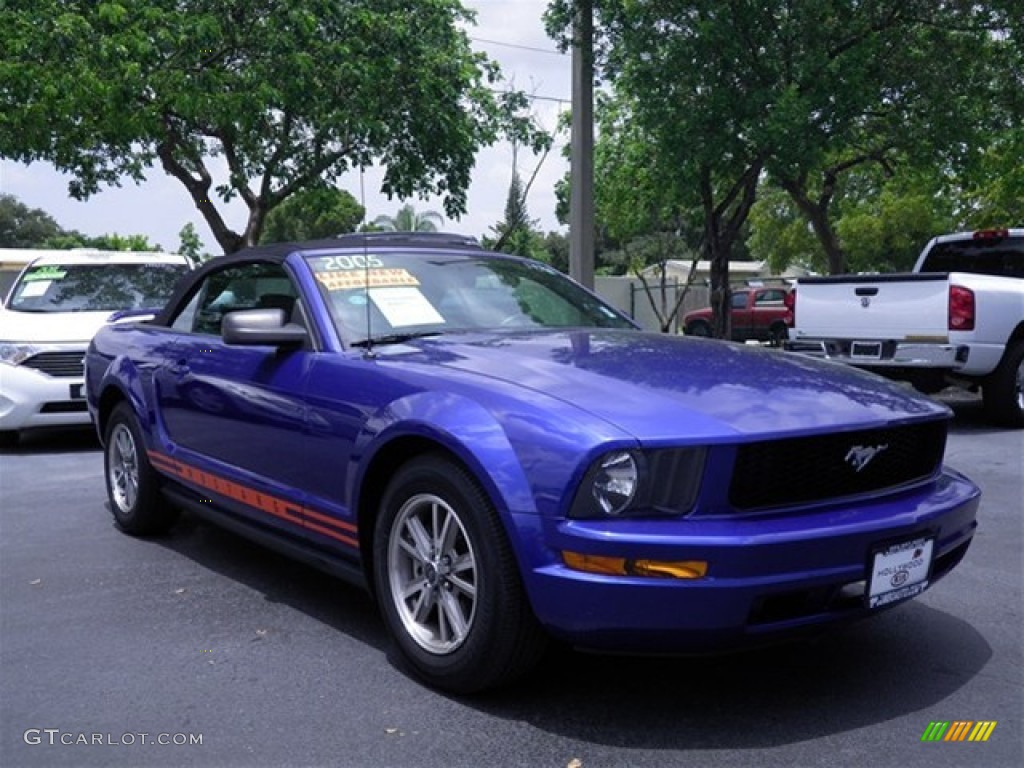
pixel 51 327
pixel 657 387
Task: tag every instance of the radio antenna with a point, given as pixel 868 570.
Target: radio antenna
pixel 368 353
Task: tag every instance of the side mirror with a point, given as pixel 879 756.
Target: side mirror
pixel 261 328
pixel 132 316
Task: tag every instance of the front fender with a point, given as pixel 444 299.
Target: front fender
pixel 461 426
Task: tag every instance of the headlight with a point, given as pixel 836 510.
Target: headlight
pixel 615 482
pixel 15 353
pixel 640 483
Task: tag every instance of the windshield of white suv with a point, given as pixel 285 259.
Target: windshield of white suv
pixel 94 287
pixel 392 296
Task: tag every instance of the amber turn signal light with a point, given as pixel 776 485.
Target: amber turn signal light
pixel 620 566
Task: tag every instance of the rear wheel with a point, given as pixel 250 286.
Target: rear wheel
pixel 447 581
pixel 777 334
pixel 1003 393
pixel 133 486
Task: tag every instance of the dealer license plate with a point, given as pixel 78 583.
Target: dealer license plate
pixel 900 571
pixel 866 349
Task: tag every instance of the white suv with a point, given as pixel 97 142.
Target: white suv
pixel 52 311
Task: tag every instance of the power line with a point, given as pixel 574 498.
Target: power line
pixel 520 47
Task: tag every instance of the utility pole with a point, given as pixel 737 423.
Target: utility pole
pixel 581 169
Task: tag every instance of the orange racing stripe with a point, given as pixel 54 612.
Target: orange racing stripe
pixel 272 505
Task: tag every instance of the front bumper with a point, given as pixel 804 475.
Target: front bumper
pixel 767 577
pixel 30 398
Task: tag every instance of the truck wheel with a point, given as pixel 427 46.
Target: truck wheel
pixel 777 334
pixel 447 581
pixel 698 328
pixel 1003 394
pixel 133 486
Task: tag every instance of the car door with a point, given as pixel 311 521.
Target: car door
pixel 769 306
pixel 741 316
pixel 237 412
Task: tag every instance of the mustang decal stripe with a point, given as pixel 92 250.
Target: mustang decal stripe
pixel 278 507
pixel 330 520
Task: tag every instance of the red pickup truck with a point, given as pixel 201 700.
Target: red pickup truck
pixel 758 314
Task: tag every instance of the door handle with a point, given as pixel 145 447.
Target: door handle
pixel 868 291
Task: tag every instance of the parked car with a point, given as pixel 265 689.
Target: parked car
pixel 957 319
pixel 758 314
pixel 501 457
pixel 53 308
pixel 12 262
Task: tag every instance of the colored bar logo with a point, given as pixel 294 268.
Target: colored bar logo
pixel 959 730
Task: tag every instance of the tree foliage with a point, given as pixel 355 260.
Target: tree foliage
pixel 24 227
pixel 517 232
pixel 313 213
pixel 708 96
pixel 284 96
pixel 408 219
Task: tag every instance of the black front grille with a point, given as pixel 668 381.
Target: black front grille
pixel 58 363
pixel 808 469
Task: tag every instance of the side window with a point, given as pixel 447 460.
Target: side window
pixel 739 300
pixel 247 286
pixel 770 297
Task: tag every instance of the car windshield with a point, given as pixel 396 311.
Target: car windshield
pixel 94 287
pixel 392 296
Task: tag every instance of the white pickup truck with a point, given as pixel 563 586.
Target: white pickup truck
pixel 958 318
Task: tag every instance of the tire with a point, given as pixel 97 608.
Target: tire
pixel 133 486
pixel 698 328
pixel 447 581
pixel 1003 393
pixel 777 334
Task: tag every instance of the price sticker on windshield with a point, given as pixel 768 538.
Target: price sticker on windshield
pixel 371 278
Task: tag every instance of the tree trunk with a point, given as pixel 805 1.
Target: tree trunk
pixel 722 224
pixel 816 212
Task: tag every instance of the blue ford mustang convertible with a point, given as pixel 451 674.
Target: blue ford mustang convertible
pixel 502 458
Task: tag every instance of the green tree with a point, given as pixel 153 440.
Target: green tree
pixel 286 95
pixel 708 95
pixel 517 233
pixel 408 219
pixel 190 245
pixel 313 213
pixel 914 88
pixel 72 238
pixel 780 234
pixel 24 227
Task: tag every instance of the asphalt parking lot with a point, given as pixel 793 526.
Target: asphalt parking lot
pixel 111 646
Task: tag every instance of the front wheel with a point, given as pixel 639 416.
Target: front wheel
pixel 1003 393
pixel 133 486
pixel 447 581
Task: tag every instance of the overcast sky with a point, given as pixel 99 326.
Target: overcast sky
pixel 509 31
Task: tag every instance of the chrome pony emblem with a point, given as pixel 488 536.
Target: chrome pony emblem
pixel 860 456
